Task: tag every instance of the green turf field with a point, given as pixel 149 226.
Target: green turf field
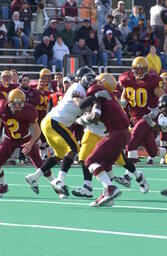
pixel 44 225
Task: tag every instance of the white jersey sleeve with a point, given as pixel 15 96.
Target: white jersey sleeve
pixel 66 112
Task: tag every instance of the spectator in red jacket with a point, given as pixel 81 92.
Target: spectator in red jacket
pixel 70 10
pixel 16 5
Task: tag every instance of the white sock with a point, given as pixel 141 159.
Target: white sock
pixel 61 176
pixel 129 174
pixel 110 174
pixel 136 174
pixel 103 177
pixel 88 183
pixel 150 158
pixel 38 173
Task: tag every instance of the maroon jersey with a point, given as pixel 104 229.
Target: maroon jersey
pixel 5 89
pixel 140 93
pixel 43 105
pixel 112 115
pixel 32 95
pixel 17 125
pixel 51 86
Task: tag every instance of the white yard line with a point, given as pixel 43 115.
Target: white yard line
pixel 95 188
pixel 84 230
pixel 68 202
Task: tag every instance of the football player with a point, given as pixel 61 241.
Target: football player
pixel 21 131
pixel 162 121
pixel 92 135
pixel 55 129
pixel 6 83
pixel 42 109
pixel 108 149
pixel 32 94
pixel 141 92
pixel 163 135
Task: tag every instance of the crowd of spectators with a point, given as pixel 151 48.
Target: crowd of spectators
pixel 116 32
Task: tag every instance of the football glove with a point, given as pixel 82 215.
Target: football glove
pixel 103 94
pixel 154 112
pixel 149 120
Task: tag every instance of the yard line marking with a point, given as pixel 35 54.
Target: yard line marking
pixel 78 175
pixel 79 204
pixel 84 230
pixel 95 188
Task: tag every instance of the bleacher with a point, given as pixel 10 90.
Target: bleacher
pixel 27 64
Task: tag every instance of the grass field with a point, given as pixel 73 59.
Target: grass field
pixel 44 225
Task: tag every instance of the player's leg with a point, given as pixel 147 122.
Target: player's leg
pixel 66 149
pixel 131 171
pixel 44 169
pixel 88 143
pixel 101 157
pixel 6 149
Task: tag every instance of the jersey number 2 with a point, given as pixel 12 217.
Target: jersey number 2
pixel 13 126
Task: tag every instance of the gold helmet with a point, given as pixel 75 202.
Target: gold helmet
pixel 164 75
pixel 6 76
pixel 16 100
pixel 109 82
pixel 140 67
pixel 44 72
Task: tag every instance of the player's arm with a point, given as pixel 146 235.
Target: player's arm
pixel 89 100
pixel 123 101
pixel 35 134
pixel 92 117
pixel 158 91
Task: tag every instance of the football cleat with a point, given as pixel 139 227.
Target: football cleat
pixel 84 191
pixel 150 160
pixel 95 203
pixel 3 189
pixel 32 182
pixel 144 186
pixel 123 181
pixel 60 188
pixel 111 193
pixel 164 192
pixel 162 160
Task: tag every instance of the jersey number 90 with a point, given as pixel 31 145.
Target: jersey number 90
pixel 136 98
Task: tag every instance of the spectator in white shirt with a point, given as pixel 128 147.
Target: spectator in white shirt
pixel 157 23
pixel 60 49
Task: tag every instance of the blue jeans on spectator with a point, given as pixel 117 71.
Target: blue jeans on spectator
pixel 94 59
pixel 58 63
pixel 2 42
pixel 24 40
pixel 105 56
pixel 43 60
pixel 5 12
pixel 27 30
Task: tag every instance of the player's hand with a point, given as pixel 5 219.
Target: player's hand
pixel 154 112
pixel 149 120
pixel 123 103
pixel 26 147
pixel 103 94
